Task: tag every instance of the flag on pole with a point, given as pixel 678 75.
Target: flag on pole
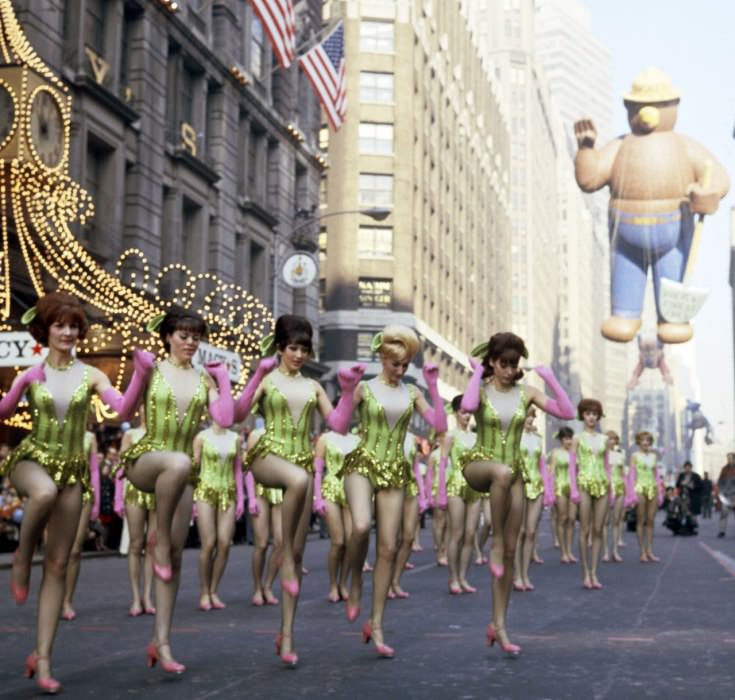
pixel 279 22
pixel 324 66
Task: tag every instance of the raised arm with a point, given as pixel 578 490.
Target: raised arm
pixel 433 414
pixel 338 419
pixel 560 405
pixel 221 403
pixel 251 392
pixel 126 404
pixel 471 396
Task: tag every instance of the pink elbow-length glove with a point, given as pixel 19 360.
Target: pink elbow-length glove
pixel 318 505
pixel 660 489
pixel 573 490
pixel 423 502
pixel 119 502
pixel 239 491
pixel 339 418
pixel 610 490
pixel 435 415
pixel 429 488
pixel 548 478
pixel 560 406
pixel 441 501
pixel 245 402
pixel 253 507
pixel 222 409
pixel 631 498
pixel 13 397
pixel 94 477
pixel 125 404
pixel 471 396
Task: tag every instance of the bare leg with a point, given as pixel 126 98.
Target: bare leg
pixel 207 527
pixel 148 567
pixel 359 494
pixel 225 530
pixel 274 560
pixel 75 559
pixel 62 528
pixel 336 552
pixel 617 528
pixel 389 512
pixel 472 517
pixel 484 532
pixel 554 527
pixel 605 538
pixel 290 603
pixel 571 524
pixel 33 482
pixel 651 507
pixel 456 515
pixel 532 517
pixel 408 532
pixel 562 515
pixel 166 591
pixel 136 517
pixel 344 564
pixel 599 513
pixel 640 522
pixel 261 533
pixel 276 472
pixel 166 474
pixel 518 582
pixel 438 530
pixel 585 525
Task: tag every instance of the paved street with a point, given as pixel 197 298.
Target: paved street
pixel 656 630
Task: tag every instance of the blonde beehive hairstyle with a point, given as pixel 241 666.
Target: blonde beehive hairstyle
pixel 400 343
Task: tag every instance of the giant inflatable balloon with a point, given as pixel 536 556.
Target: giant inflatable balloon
pixel 660 182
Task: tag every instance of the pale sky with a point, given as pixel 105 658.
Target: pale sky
pixel 694 44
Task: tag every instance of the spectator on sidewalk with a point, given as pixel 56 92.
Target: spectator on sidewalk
pixel 706 497
pixel 726 491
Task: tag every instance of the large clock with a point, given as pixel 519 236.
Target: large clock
pixel 46 127
pixel 7 113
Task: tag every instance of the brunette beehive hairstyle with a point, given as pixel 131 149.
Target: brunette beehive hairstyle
pixel 293 330
pixel 178 319
pixel 61 307
pixel 589 405
pixel 507 346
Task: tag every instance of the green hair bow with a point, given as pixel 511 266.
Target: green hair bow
pixel 155 323
pixel 268 345
pixel 377 342
pixel 28 316
pixel 479 350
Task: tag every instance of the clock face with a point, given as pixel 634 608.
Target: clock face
pixel 7 113
pixel 47 128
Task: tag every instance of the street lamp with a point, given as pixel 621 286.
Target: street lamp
pixel 303 244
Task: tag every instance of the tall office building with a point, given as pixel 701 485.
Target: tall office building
pixel 425 137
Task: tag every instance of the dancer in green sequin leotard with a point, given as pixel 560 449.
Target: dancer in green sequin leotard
pixel 332 448
pixel 463 502
pixel 566 508
pixel 139 510
pixel 50 467
pixel 177 396
pixel 219 499
pixel 643 481
pixel 282 456
pixel 616 465
pixel 379 467
pixel 593 484
pixel 534 477
pixel 500 406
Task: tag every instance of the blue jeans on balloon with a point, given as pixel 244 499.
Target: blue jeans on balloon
pixel 637 242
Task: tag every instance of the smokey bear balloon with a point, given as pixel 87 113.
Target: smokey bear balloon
pixel 659 181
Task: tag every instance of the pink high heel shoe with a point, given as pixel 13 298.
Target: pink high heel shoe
pixel 153 655
pixel 165 573
pixel 290 586
pixel 19 593
pixel 466 588
pixel 383 650
pixel 507 647
pixel 289 658
pixel 352 613
pixel 455 589
pixel 68 615
pixel 149 610
pixel 48 685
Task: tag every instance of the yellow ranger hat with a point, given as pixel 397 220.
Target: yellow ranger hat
pixel 652 85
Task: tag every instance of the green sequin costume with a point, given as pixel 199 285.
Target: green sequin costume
pixel 616 460
pixel 333 485
pixel 134 496
pixel 645 474
pixel 493 444
pixel 462 441
pixel 216 472
pixel 412 488
pixel 562 485
pixel 379 456
pixel 57 446
pixel 591 475
pixel 533 482
pixel 281 436
pixel 164 430
pixel 272 495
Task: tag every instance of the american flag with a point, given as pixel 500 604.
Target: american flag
pixel 324 66
pixel 279 21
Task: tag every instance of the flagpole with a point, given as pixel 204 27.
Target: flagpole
pixel 310 43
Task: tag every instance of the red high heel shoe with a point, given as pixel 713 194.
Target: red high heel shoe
pixel 153 655
pixel 383 650
pixel 19 593
pixel 289 658
pixel 48 685
pixel 507 647
pixel 165 573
